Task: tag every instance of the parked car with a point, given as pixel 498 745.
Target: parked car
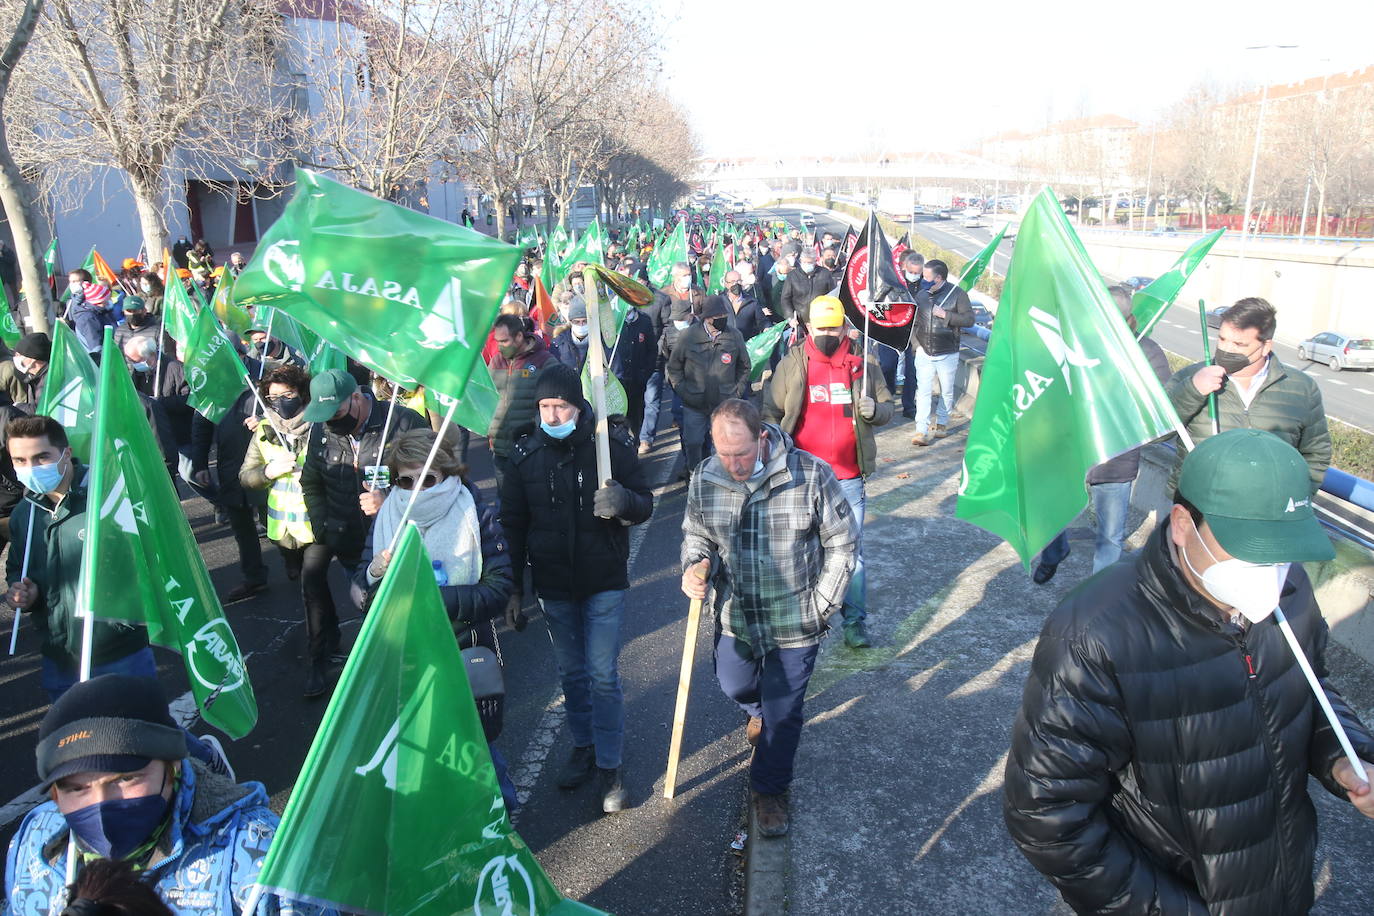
pixel 1338 351
pixel 982 316
pixel 1214 316
pixel 1139 283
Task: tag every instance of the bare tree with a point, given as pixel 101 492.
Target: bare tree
pixel 369 82
pixel 141 86
pixel 16 193
pixel 532 67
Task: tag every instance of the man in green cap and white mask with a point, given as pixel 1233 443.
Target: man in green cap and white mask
pixel 1160 760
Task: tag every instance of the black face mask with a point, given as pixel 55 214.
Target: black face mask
pixel 1230 362
pixel 136 320
pixel 341 426
pixel 291 406
pixel 736 288
pixel 719 322
pixel 826 343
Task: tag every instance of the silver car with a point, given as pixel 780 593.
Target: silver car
pixel 1338 351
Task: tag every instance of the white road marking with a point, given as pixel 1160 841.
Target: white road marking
pixel 1364 391
pixel 1335 381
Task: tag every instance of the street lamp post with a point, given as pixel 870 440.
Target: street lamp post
pixel 1254 158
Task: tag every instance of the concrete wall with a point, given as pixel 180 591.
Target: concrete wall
pixel 1315 287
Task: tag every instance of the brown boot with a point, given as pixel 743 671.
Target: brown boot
pixel 753 730
pixel 940 431
pixel 920 439
pixel 770 812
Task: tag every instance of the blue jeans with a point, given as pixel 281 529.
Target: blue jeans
pixel 653 395
pixel 856 598
pixel 908 381
pixel 927 368
pixel 696 429
pixel 57 681
pixel 586 646
pixel 1111 503
pixel 773 687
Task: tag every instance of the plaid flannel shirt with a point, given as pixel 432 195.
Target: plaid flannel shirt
pixel 781 555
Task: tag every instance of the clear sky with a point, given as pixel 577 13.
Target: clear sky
pixel 859 75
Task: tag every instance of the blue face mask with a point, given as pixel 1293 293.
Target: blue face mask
pixel 113 829
pixel 561 431
pixel 142 367
pixel 40 478
pixel 682 325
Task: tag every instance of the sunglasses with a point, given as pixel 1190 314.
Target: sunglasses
pixel 408 481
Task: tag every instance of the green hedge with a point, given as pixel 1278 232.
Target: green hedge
pixel 988 283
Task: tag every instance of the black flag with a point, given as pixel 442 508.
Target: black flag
pixel 890 312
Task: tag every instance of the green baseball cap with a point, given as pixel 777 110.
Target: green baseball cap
pixel 1255 492
pixel 328 392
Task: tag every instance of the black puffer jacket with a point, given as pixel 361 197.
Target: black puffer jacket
pixel 1149 771
pixel 332 477
pixel 800 288
pixel 230 440
pixel 546 511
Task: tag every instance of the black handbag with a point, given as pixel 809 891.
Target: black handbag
pixel 488 682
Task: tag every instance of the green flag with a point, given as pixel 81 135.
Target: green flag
pixel 232 315
pixel 179 312
pixel 69 391
pixel 617 402
pixel 665 255
pixel 589 248
pixel 50 256
pixel 719 266
pixel 214 373
pixel 476 408
pixel 401 751
pixel 1064 387
pixel 9 328
pixel 529 237
pixel 974 268
pixel 142 564
pixel 1149 304
pixel 760 348
pixel 407 295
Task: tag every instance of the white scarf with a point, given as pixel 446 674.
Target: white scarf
pixel 447 518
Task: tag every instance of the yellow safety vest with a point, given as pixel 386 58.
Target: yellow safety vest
pixel 285 502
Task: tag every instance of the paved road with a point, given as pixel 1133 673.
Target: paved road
pixel 661 857
pixel 1349 395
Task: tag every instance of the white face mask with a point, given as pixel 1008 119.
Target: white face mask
pixel 910 277
pixel 683 283
pixel 580 330
pixel 682 325
pixel 1251 588
pixel 807 267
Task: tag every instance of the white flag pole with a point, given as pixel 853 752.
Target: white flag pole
pixel 23 574
pixel 1320 693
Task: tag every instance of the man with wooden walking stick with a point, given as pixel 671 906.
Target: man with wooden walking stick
pixel 769 533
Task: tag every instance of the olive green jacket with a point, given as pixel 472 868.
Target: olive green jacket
pixel 1288 404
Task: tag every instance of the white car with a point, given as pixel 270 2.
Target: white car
pixel 1338 351
pixel 808 221
pixel 973 218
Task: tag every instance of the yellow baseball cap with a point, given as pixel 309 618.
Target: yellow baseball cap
pixel 826 312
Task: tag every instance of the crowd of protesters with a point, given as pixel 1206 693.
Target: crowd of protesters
pixel 324 466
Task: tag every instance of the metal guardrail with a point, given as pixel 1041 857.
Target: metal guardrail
pixel 1355 492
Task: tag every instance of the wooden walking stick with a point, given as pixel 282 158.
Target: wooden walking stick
pixel 684 683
